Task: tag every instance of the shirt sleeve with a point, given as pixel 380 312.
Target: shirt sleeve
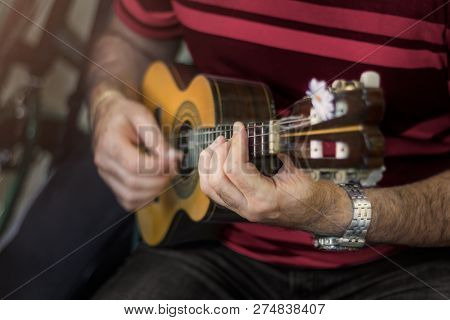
pixel 447 40
pixel 149 18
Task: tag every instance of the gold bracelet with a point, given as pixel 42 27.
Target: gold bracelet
pixel 105 95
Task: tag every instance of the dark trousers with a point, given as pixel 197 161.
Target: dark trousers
pixel 75 236
pixel 72 239
pixel 211 271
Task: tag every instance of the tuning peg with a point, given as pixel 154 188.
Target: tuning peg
pixel 370 79
pixel 316 149
pixel 342 150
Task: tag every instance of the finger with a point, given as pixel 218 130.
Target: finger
pixel 238 169
pixel 135 182
pixel 137 162
pixel 151 136
pixel 139 196
pixel 222 187
pixel 239 143
pixel 205 157
pixel 204 171
pixel 124 161
pixel 129 199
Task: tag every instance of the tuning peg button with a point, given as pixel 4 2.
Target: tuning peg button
pixel 342 150
pixel 316 149
pixel 370 79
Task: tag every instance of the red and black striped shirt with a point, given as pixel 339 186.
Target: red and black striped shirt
pixel 285 43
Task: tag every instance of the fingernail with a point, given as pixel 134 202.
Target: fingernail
pixel 237 126
pixel 218 140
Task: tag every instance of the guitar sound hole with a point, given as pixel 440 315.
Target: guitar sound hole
pixel 183 144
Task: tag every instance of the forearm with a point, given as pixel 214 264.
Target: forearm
pixel 120 57
pixel 117 66
pixel 416 214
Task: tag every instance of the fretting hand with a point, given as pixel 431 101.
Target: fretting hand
pixel 290 198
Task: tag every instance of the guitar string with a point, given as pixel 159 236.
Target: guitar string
pixel 193 155
pixel 203 137
pixel 206 131
pixel 265 124
pixel 254 149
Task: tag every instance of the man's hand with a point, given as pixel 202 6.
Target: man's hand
pixel 290 198
pixel 136 175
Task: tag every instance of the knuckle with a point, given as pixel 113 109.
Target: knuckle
pixel 201 172
pixel 214 182
pixel 126 204
pixel 216 179
pixel 162 182
pixel 203 155
pixel 129 164
pixel 231 202
pixel 204 186
pixel 233 172
pixel 98 159
pixel 228 168
pixel 129 206
pixel 130 183
pixel 126 195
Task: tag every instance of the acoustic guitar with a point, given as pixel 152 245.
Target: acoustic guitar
pixel 194 110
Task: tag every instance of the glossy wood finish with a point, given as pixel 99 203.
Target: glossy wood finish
pixel 205 102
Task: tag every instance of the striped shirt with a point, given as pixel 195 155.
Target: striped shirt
pixel 285 43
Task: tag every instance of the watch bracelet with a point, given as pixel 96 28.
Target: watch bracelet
pixel 355 234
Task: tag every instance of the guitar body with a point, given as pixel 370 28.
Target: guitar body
pixel 179 100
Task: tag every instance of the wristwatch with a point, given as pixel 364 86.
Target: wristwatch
pixel 354 236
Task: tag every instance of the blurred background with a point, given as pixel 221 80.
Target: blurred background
pixel 61 233
pixel 42 113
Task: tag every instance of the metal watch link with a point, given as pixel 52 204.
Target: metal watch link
pixel 355 234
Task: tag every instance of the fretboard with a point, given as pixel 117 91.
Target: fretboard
pixel 195 140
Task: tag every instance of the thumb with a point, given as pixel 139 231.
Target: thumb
pixel 150 134
pixel 151 137
pixel 288 164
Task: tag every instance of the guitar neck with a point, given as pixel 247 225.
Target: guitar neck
pixel 194 141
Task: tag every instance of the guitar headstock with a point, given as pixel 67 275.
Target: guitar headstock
pixel 334 133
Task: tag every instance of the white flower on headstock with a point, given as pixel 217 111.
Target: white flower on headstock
pixel 321 99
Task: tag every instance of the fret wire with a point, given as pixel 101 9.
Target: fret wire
pixel 223 128
pixel 252 125
pixel 208 130
pixel 203 137
pixel 248 136
pixel 206 144
pixel 193 152
pixel 254 138
pixel 211 141
pixel 262 139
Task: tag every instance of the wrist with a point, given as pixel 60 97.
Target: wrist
pixel 344 210
pixel 341 212
pixel 334 207
pixel 102 92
